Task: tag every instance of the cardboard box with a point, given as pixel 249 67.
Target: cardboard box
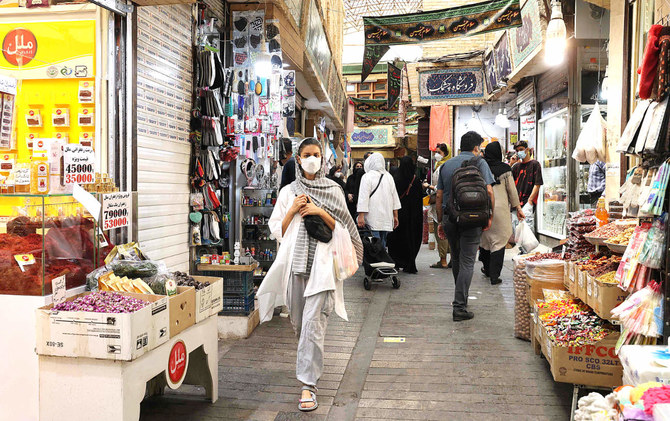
pixel 111 336
pixel 590 365
pixel 534 288
pixel 209 300
pixel 570 280
pixel 581 284
pixel 605 298
pixel 182 310
pixel 590 281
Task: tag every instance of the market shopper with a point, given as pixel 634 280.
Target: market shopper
pixel 299 277
pixel 442 154
pixel 352 187
pixel 463 241
pixel 528 179
pixel 336 175
pixel 288 163
pixel 404 242
pixel 494 241
pixel 596 184
pixel 378 201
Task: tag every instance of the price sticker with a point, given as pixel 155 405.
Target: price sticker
pixel 58 289
pixel 116 210
pixel 24 260
pixel 79 162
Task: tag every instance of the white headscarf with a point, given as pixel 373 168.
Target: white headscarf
pixel 375 162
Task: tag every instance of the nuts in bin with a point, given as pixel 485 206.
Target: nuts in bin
pixel 184 280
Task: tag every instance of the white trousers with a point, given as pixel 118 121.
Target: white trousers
pixel 309 317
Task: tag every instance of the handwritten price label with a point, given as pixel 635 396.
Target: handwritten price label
pixel 79 164
pixel 116 210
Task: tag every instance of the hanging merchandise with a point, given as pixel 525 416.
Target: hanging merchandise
pixel 641 316
pixel 592 140
pixel 288 93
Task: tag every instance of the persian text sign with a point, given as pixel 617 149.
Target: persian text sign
pixel 372 119
pixel 116 210
pixel 79 164
pixel 451 84
pixel 372 105
pixel 374 136
pixel 177 364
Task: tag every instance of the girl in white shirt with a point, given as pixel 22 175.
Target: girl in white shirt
pixel 378 200
pixel 302 276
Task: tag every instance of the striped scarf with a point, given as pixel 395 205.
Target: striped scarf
pixel 329 196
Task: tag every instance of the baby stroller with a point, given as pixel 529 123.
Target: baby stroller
pixel 377 263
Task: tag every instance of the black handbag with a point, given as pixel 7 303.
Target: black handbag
pixel 317 228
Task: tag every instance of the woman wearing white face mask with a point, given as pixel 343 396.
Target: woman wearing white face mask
pixel 300 277
pixel 442 154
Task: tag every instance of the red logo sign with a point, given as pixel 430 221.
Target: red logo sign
pixel 59 111
pixel 32 136
pixel 85 111
pixel 177 362
pixel 40 144
pixel 19 46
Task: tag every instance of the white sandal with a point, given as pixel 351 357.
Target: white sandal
pixel 311 400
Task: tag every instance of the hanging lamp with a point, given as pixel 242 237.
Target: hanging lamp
pixel 555 45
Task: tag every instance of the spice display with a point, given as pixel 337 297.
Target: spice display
pixel 622 238
pixel 521 307
pixel 579 224
pixel 102 302
pixel 608 278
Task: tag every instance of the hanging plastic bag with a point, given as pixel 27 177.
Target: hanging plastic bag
pixel 524 237
pixel 345 261
pixel 591 142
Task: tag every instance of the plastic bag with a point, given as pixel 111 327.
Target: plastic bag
pixel 524 237
pixel 591 142
pixel 345 261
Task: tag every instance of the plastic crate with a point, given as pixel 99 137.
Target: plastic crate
pixel 238 305
pixel 240 283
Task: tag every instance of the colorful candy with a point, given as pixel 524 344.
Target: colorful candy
pixel 102 302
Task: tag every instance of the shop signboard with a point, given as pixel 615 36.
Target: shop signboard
pixel 372 105
pixel 116 210
pixel 317 43
pixel 503 62
pixel 79 164
pixel 456 83
pixel 528 37
pixel 371 137
pixel 34 50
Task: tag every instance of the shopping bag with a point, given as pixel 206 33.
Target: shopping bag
pixel 590 145
pixel 524 237
pixel 345 261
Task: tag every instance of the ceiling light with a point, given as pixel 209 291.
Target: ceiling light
pixel 502 120
pixel 554 47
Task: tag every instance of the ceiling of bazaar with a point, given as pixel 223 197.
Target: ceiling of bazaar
pixel 356 9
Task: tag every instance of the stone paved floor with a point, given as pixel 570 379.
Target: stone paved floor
pixel 474 370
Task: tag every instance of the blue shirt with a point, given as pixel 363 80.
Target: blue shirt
pixel 447 172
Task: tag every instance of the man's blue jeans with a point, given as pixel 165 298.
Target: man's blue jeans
pixel 381 235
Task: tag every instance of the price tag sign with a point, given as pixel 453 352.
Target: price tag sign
pixel 58 289
pixel 79 164
pixel 116 210
pixel 24 260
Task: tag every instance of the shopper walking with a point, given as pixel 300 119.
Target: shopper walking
pixel 528 179
pixel 442 154
pixel 299 278
pixel 335 174
pixel 404 242
pixel 378 201
pixel 287 161
pixel 463 240
pixel 352 187
pixel 494 241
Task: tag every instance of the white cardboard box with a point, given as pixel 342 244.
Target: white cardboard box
pixel 113 336
pixel 209 300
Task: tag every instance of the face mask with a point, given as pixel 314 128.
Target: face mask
pixel 521 155
pixel 438 156
pixel 338 174
pixel 310 165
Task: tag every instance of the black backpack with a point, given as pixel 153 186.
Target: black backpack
pixel 470 205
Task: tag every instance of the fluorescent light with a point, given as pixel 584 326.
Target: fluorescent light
pixel 555 45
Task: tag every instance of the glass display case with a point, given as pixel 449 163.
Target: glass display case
pixel 43 237
pixel 552 206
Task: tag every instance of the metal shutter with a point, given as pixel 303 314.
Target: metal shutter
pixel 164 86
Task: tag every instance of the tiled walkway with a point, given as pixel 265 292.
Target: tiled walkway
pixel 474 370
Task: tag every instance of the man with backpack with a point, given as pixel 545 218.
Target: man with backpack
pixel 465 192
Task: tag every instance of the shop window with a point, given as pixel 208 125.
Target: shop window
pixel 364 96
pixel 364 87
pixel 380 96
pixel 351 87
pixel 380 86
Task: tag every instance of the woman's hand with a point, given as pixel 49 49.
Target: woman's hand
pixel 351 197
pixel 297 205
pixel 311 209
